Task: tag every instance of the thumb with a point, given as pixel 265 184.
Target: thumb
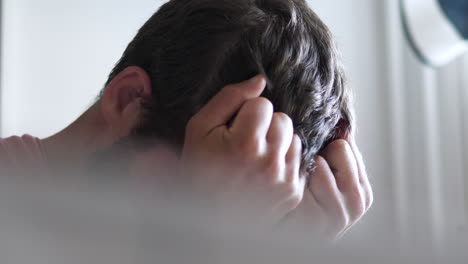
pixel 226 104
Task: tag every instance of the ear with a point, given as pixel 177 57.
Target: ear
pixel 121 102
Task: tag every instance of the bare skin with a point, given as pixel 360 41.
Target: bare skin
pixel 254 163
pixel 259 141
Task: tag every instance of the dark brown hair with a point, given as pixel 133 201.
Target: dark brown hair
pixel 193 48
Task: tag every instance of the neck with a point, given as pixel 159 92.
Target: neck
pixel 69 149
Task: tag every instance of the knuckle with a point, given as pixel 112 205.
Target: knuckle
pixel 262 102
pixel 340 145
pixel 342 222
pixel 296 198
pixel 283 119
pixel 293 202
pixel 320 162
pixel 290 190
pixel 250 147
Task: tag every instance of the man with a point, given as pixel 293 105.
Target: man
pixel 252 144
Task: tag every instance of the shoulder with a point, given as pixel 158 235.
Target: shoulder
pixel 19 153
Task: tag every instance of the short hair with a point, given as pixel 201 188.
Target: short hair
pixel 191 49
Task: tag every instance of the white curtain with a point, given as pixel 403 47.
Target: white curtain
pixel 428 128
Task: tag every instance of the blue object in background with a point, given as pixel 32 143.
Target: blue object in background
pixel 437 30
pixel 457 13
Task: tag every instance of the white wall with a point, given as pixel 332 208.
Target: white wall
pixel 56 56
pixel 58 53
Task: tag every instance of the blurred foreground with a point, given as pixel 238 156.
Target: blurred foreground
pixel 125 223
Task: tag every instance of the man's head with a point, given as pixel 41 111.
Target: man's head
pixel 190 49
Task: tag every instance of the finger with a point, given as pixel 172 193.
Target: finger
pixel 253 120
pixel 226 104
pixel 293 161
pixel 280 135
pixel 292 177
pixel 341 160
pixel 363 178
pixel 323 187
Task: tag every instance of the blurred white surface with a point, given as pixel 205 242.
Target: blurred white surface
pixel 110 224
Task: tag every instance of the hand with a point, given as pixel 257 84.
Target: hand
pixel 249 168
pixel 339 193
